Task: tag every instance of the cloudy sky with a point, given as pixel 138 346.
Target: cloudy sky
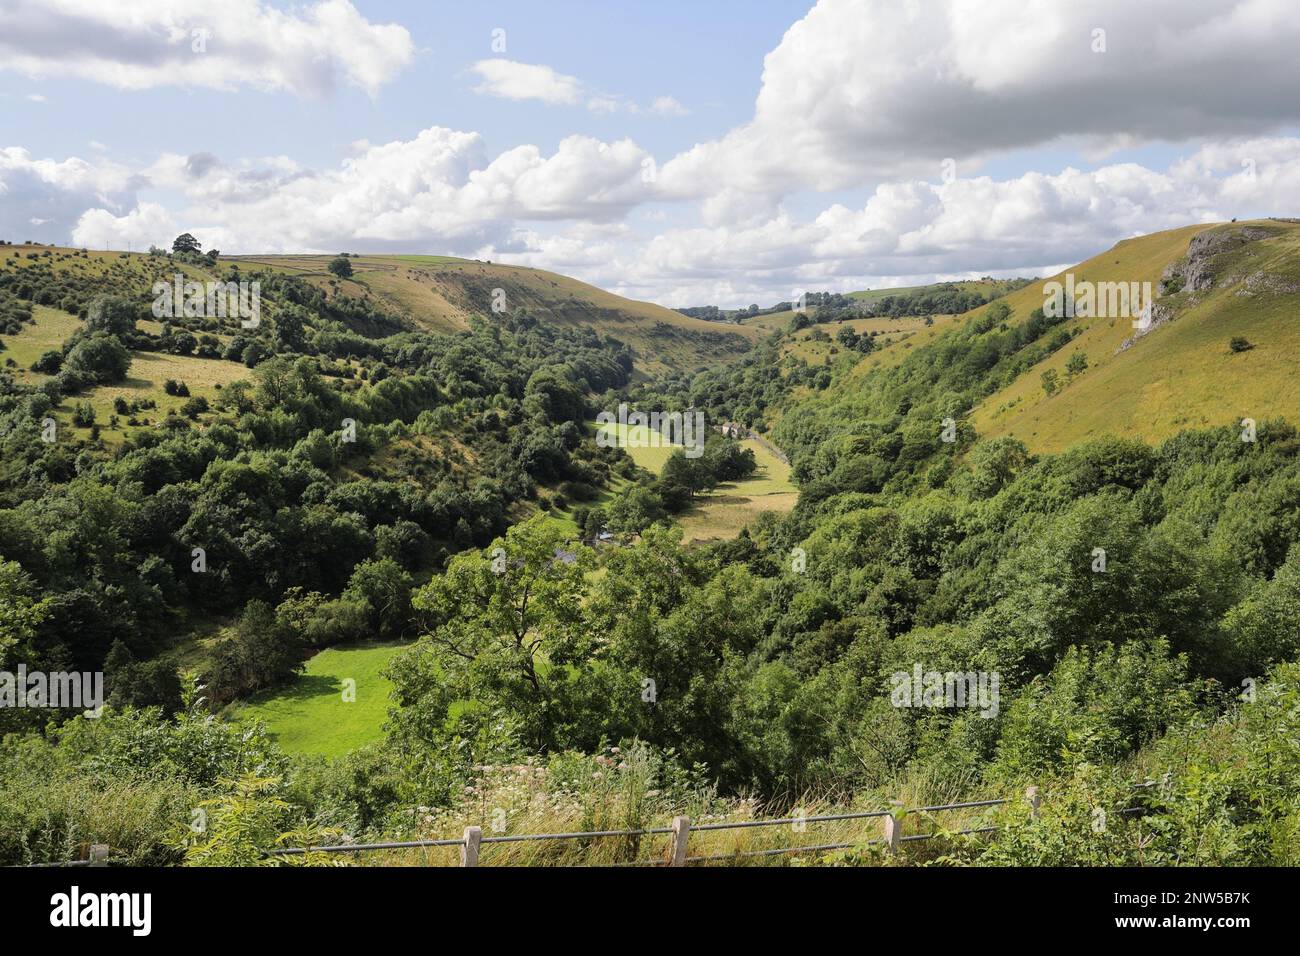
pixel 685 152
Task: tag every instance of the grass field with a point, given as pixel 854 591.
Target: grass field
pixel 48 334
pixel 721 514
pixel 729 507
pixel 311 716
pixel 145 378
pixel 637 441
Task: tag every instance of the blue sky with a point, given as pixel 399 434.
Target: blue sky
pixel 643 147
pixel 707 54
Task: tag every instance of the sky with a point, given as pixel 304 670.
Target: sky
pixel 688 153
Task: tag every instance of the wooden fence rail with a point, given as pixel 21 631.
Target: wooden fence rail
pixel 680 830
pixel 473 840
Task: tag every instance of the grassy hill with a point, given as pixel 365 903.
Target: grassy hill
pixel 435 293
pixel 990 288
pixel 1182 373
pixel 440 293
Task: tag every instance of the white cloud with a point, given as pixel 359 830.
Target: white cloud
pixel 512 80
pixel 668 106
pixel 567 211
pixel 140 44
pixel 912 231
pixel 36 97
pixel 862 90
pixel 436 190
pixel 146 224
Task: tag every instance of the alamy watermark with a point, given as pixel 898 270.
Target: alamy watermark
pixel 922 688
pixel 651 430
pixel 211 300
pixel 44 690
pixel 1098 300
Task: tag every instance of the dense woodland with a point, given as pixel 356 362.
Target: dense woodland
pixel 768 657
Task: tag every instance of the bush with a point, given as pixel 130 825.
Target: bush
pixel 100 358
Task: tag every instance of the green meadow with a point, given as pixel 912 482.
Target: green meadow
pixel 722 512
pixel 311 716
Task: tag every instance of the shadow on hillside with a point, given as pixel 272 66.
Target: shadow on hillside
pixel 304 687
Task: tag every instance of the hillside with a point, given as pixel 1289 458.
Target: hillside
pixel 440 293
pixel 1182 372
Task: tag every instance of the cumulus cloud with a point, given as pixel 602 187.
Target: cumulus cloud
pixel 668 106
pixel 861 90
pixel 437 189
pixel 139 44
pixel 147 224
pixel 568 211
pixel 914 231
pixel 41 199
pixel 512 80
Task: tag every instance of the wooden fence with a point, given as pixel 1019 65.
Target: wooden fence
pixel 472 842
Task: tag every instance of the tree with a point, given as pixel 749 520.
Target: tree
pixel 341 266
pixel 186 243
pixel 1051 382
pixel 683 478
pixel 101 357
pixel 508 630
pixel 1239 343
pixel 49 363
pixel 634 510
pixel 553 394
pixel 1075 366
pixel 20 611
pixel 194 407
pixel 113 314
pixel 263 651
pixel 183 343
pixel 384 587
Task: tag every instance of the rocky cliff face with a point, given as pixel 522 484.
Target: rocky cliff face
pixel 1209 264
pixel 1198 270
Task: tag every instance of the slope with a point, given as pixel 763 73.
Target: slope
pixel 440 293
pixel 1182 372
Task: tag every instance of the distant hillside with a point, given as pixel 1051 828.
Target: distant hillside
pixel 1241 281
pixel 1218 347
pixel 440 293
pixel 938 298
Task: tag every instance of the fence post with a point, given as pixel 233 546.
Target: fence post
pixel 891 830
pixel 1032 798
pixel 99 854
pixel 469 849
pixel 681 833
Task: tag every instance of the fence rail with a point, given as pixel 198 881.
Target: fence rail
pixel 680 830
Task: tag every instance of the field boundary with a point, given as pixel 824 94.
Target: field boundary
pixel 680 829
pixel 676 853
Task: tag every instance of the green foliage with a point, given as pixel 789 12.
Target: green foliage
pixel 186 243
pixel 240 825
pixel 99 357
